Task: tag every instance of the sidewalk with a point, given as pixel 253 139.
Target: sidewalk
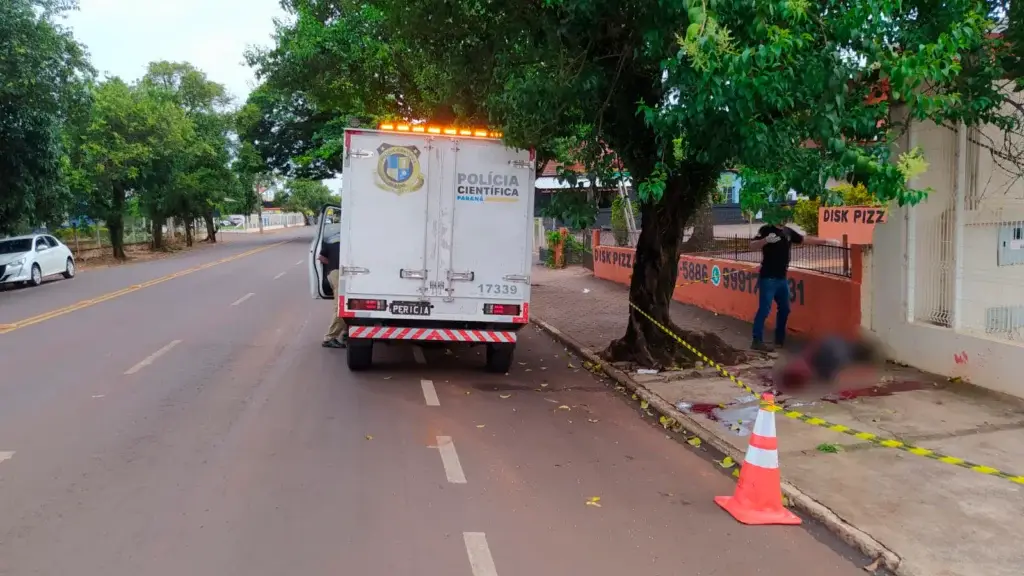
pixel 938 519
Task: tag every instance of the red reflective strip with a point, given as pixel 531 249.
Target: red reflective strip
pixel 476 335
pixel 402 333
pixel 451 334
pixel 433 335
pixel 764 443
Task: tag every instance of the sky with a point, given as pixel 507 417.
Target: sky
pixel 123 36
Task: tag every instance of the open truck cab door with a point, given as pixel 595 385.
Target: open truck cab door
pixel 328 232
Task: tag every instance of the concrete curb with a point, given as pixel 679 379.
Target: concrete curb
pixel 850 534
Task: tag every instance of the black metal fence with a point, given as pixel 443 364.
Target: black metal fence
pixel 825 259
pixel 579 249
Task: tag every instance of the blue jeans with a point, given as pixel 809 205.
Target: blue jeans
pixel 768 290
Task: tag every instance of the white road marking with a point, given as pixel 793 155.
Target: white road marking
pixel 98 396
pixel 417 353
pixel 452 467
pixel 242 299
pixel 279 275
pixel 297 263
pixel 6 455
pixel 480 559
pixel 429 394
pixel 152 357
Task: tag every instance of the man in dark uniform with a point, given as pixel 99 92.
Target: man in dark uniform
pixel 775 243
pixel 330 256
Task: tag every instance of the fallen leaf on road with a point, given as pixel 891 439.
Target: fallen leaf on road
pixel 544 385
pixel 727 462
pixel 592 420
pixel 586 290
pixel 736 473
pixel 564 407
pixel 481 425
pixel 594 501
pixel 634 397
pixel 543 367
pixel 644 404
pixel 571 366
pixel 695 442
pixel 504 396
pixel 666 422
pixel 522 363
pixel 369 437
pixel 528 370
pixel 468 392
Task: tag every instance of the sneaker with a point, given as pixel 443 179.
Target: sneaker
pixel 332 343
pixel 762 347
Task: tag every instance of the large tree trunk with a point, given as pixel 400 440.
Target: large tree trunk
pixel 655 268
pixel 211 228
pixel 188 232
pixel 115 223
pixel 259 214
pixel 703 224
pixel 158 233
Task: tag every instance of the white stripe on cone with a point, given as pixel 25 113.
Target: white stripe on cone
pixel 762 458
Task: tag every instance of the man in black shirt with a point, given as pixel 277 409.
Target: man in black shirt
pixel 775 243
pixel 330 256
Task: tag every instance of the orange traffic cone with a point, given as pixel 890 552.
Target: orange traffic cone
pixel 758 497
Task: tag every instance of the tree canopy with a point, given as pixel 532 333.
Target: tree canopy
pixel 72 145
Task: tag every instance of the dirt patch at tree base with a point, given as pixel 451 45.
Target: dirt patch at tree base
pixel 660 351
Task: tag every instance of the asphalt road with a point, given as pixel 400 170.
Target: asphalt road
pixel 193 425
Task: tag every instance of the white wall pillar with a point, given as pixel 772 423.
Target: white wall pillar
pixel 910 219
pixel 958 224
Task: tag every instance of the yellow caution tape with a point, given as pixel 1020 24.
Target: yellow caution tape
pixel 821 423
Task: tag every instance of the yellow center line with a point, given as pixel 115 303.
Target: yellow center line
pixel 5 328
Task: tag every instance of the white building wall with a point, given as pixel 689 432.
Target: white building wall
pixel 934 310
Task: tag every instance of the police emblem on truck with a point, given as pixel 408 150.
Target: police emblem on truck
pixel 398 169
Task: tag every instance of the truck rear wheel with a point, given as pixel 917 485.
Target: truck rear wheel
pixel 360 354
pixel 499 357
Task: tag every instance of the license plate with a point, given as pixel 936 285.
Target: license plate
pixel 411 308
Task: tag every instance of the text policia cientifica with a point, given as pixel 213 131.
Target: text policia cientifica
pixel 489 184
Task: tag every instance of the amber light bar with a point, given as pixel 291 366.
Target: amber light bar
pixel 448 130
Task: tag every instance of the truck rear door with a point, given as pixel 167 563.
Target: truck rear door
pixel 385 216
pixel 486 243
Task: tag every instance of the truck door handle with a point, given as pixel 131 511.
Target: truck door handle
pixel 466 276
pixel 353 270
pixel 523 278
pixel 412 274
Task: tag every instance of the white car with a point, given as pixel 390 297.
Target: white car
pixel 31 258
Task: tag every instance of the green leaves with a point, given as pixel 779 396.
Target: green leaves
pixel 43 87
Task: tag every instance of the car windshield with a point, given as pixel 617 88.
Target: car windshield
pixel 15 246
